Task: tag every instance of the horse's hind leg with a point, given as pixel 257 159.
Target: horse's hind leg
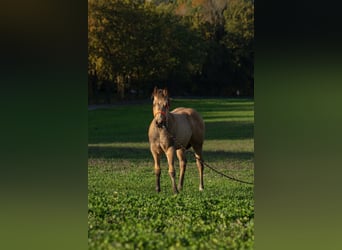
pixel 200 166
pixel 182 166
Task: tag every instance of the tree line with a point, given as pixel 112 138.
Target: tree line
pixel 193 47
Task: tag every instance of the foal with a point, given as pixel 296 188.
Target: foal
pixel 174 132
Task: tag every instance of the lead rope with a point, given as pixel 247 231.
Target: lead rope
pixel 202 161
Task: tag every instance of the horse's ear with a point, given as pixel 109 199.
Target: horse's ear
pixel 155 91
pixel 165 92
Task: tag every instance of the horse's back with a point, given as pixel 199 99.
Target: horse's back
pixel 194 116
pixel 195 120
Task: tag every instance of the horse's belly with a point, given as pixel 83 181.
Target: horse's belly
pixel 183 135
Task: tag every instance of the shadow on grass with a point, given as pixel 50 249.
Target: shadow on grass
pixel 224 155
pixel 130 124
pixel 131 153
pixel 215 104
pixel 223 116
pixel 229 130
pixel 216 130
pixel 230 107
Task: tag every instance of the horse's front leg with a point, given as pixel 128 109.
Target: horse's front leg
pixel 170 153
pixel 156 157
pixel 182 167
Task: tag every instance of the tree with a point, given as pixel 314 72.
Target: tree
pixel 239 39
pixel 190 45
pixel 139 42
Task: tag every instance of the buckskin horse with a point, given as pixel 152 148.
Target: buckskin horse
pixel 174 132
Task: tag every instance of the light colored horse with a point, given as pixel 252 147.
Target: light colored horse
pixel 174 132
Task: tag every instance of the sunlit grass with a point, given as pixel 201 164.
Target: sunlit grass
pixel 124 211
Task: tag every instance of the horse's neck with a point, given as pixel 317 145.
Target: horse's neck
pixel 170 121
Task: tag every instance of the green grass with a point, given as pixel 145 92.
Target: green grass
pixel 125 212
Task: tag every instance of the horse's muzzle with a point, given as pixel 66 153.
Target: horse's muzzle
pixel 161 124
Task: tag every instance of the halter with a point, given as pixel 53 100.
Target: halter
pixel 159 112
pixel 164 113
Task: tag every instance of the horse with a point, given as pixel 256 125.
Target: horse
pixel 175 132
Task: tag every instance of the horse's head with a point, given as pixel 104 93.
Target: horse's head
pixel 160 106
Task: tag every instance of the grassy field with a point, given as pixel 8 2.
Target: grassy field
pixel 125 212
